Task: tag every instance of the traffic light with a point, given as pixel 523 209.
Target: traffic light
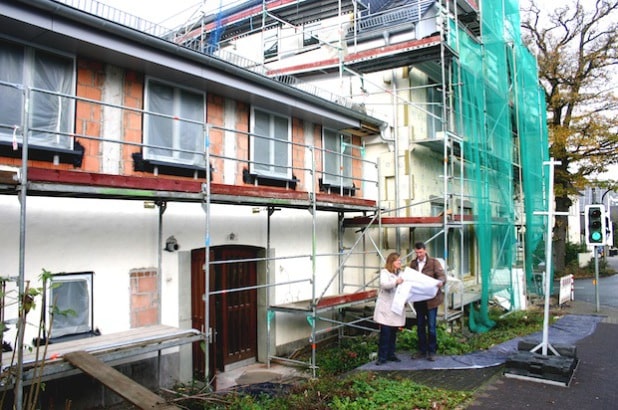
pixel 595 225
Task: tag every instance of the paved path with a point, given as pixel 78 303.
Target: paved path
pixel 593 385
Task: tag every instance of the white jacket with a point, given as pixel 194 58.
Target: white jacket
pixel 383 313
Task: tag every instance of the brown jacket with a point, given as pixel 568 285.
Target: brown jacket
pixel 432 268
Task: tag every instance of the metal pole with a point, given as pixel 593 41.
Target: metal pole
pixel 544 345
pixel 548 257
pixel 23 193
pixel 206 297
pixel 596 278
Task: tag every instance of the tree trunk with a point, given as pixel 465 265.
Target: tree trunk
pixel 560 234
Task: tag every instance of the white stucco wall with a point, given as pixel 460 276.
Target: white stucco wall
pixel 111 237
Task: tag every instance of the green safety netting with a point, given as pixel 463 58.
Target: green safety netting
pixel 502 112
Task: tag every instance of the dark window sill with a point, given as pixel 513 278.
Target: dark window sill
pixel 42 153
pixel 336 189
pixel 254 179
pixel 168 168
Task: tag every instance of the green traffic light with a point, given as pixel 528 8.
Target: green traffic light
pixel 596 236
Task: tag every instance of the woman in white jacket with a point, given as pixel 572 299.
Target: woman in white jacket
pixel 389 321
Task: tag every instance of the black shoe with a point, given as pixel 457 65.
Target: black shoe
pixel 419 355
pixel 380 361
pixel 393 359
pixel 431 357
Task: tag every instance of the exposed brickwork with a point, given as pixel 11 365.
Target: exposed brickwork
pixel 90 80
pixel 89 121
pixel 144 297
pixel 133 97
pixel 242 138
pixel 317 154
pixel 215 116
pixel 298 149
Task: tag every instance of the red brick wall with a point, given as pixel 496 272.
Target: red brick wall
pixel 144 303
pixel 318 155
pixel 133 97
pixel 242 138
pixel 215 115
pixel 88 116
pixel 298 151
pixel 89 121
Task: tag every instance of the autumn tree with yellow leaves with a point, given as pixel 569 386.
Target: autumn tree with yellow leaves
pixel 576 45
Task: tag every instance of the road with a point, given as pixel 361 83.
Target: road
pixel 608 287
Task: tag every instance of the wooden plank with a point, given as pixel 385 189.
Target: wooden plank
pixel 184 185
pixel 117 382
pixel 136 337
pixel 347 298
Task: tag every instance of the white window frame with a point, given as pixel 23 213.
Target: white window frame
pixel 181 149
pixel 434 111
pixel 74 316
pixel 337 159
pixel 51 115
pixel 266 146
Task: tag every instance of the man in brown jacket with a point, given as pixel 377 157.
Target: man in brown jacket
pixel 427 310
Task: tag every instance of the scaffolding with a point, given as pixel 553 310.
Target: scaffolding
pixel 484 109
pixel 325 298
pixel 475 136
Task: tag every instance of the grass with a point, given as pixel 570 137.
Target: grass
pixel 336 388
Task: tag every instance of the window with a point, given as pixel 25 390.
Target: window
pixel 337 159
pixel 270 146
pixel 310 33
pixel 176 136
pixel 50 78
pixel 70 295
pixel 271 43
pixel 434 110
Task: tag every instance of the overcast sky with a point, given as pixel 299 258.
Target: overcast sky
pixel 168 13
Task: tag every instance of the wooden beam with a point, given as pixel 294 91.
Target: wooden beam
pixel 120 384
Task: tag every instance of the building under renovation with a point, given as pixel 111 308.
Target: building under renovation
pixel 225 192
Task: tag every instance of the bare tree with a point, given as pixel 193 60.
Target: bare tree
pixel 576 46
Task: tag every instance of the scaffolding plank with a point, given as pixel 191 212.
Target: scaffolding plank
pixel 88 184
pixel 122 385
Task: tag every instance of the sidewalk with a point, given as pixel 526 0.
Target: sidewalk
pixel 593 385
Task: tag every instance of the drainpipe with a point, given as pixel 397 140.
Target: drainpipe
pixel 162 207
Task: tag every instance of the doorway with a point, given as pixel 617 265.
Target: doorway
pixel 233 314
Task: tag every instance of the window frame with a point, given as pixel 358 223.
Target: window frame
pixel 271 140
pixel 341 156
pixel 194 158
pixel 71 329
pixel 434 110
pixel 60 137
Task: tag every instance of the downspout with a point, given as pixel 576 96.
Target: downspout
pixel 162 207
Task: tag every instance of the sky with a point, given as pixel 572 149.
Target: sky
pixel 168 13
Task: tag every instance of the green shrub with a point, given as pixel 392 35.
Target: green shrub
pixel 572 251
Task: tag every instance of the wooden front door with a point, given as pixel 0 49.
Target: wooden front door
pixel 233 314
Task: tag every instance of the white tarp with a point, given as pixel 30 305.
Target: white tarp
pixel 414 288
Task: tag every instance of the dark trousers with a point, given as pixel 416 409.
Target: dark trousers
pixel 387 341
pixel 426 327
